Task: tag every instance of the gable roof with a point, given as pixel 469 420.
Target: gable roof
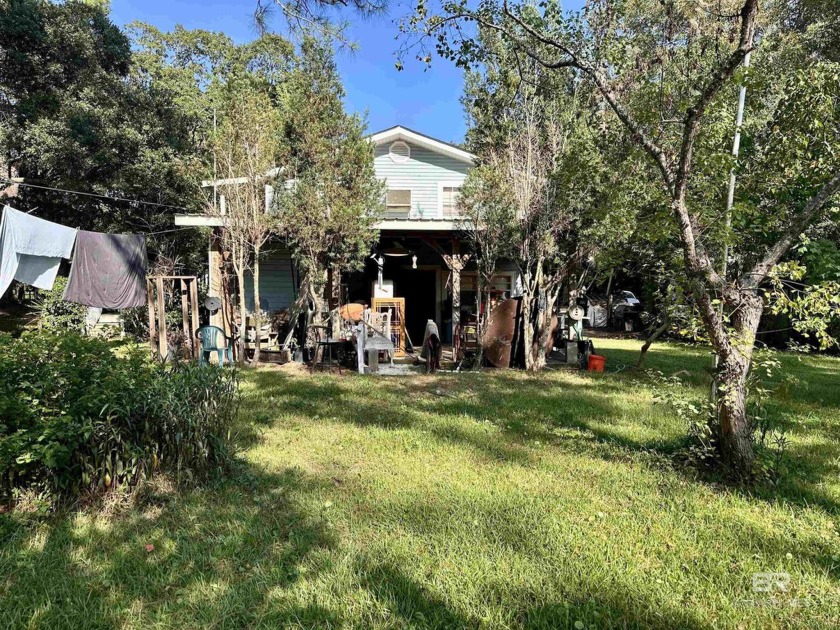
pixel 398 132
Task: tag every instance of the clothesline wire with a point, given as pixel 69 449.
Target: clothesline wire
pixel 88 194
pixel 178 229
pixel 188 227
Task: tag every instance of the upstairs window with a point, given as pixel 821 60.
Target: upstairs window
pixel 400 152
pixel 397 204
pixel 449 201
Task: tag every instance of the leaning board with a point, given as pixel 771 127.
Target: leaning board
pixel 396 306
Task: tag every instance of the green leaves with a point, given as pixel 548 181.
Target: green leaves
pixel 329 215
pixel 78 417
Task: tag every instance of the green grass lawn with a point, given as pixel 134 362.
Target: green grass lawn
pixel 497 500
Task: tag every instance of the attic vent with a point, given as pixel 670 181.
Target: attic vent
pixel 399 152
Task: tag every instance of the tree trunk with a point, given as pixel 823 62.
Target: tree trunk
pixel 532 319
pixel 456 305
pixel 651 338
pixel 528 332
pixel 734 426
pixel 240 342
pixel 335 301
pixel 735 349
pixel 257 309
pixel 736 443
pixel 297 309
pixel 481 317
pixel 317 286
pixel 545 329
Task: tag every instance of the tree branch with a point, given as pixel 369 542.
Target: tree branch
pixel 696 255
pixel 758 273
pixel 573 60
pixel 719 78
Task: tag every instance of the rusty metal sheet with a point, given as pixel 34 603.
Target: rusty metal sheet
pixel 500 335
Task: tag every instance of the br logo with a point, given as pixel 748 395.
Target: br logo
pixel 770 582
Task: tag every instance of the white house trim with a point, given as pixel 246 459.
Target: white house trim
pixel 419 225
pixel 394 134
pixel 408 225
pixel 231 181
pixel 198 220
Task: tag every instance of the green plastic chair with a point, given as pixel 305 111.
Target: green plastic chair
pixel 214 339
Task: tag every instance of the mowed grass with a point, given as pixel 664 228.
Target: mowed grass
pixel 493 500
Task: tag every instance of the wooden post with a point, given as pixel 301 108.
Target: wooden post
pixel 185 316
pixel 195 323
pixel 150 302
pixel 334 280
pixel 163 346
pixel 455 262
pixel 456 267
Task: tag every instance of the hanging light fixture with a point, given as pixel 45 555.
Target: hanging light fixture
pixel 414 261
pixel 397 250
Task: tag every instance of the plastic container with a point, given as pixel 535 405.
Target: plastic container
pixel 596 363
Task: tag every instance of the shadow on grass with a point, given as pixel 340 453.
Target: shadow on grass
pixel 579 415
pixel 221 552
pixel 234 554
pixel 808 408
pixel 229 557
pixel 412 603
pixel 524 409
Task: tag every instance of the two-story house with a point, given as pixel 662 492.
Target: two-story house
pixel 420 259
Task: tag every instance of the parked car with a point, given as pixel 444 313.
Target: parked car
pixel 626 298
pixel 625 310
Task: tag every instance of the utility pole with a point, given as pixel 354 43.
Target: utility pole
pixel 736 148
pixel 215 176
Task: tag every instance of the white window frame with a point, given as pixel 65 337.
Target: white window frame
pixel 459 183
pixel 398 159
pixel 510 275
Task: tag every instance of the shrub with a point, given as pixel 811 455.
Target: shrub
pixel 768 428
pixel 58 314
pixel 76 416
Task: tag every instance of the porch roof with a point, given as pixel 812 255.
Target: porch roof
pixel 390 225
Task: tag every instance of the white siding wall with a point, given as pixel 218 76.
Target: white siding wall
pixel 423 174
pixel 276 289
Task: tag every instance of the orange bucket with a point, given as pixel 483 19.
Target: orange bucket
pixel 596 363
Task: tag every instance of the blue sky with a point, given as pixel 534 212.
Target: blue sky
pixel 425 100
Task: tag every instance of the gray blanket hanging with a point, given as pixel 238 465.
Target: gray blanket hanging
pixel 108 271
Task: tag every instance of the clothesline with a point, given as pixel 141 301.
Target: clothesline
pixel 188 227
pixel 88 194
pixel 107 270
pixel 178 229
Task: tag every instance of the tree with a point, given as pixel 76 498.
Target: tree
pixel 316 18
pixel 333 199
pixel 246 148
pixel 541 183
pixel 77 114
pixel 632 52
pixel 488 224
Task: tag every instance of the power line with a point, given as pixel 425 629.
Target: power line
pixel 88 194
